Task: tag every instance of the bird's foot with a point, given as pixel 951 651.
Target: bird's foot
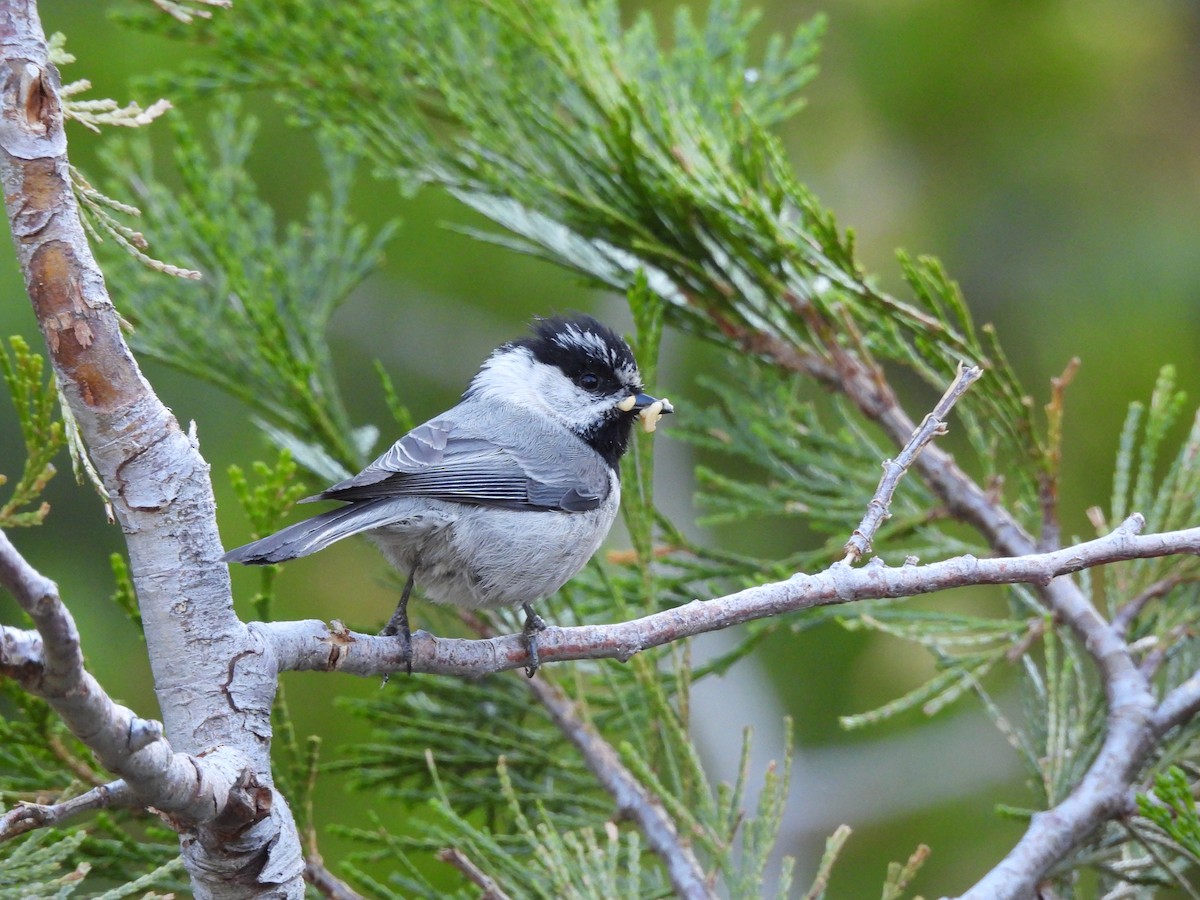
pixel 397 626
pixel 533 624
pixel 401 630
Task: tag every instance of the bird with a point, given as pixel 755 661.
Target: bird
pixel 503 498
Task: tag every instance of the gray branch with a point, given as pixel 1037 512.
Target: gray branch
pixel 1178 707
pixel 1133 727
pixel 1129 728
pixel 129 746
pixel 28 816
pixel 311 645
pixel 1103 791
pixel 489 891
pixel 325 882
pixel 934 425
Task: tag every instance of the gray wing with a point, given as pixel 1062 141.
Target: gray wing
pixel 446 460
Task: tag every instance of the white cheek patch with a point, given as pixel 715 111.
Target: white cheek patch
pixel 650 416
pixel 627 404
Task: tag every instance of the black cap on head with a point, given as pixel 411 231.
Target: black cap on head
pixel 578 343
pixel 579 346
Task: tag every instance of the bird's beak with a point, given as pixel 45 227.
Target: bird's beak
pixel 649 409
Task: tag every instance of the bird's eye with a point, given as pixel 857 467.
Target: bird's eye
pixel 589 381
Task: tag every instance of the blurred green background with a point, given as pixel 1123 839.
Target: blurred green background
pixel 1047 152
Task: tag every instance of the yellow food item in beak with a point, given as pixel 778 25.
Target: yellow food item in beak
pixel 651 414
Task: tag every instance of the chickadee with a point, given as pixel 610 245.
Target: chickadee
pixel 503 498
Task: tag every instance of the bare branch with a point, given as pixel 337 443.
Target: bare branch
pixel 1130 701
pixel 1124 617
pixel 326 883
pixel 1100 795
pixel 27 816
pixel 1161 646
pixel 1102 792
pixel 1179 706
pixel 1051 536
pixel 474 874
pixel 870 392
pixel 311 645
pixel 80 768
pixel 632 799
pixel 216 678
pixel 934 425
pixel 125 744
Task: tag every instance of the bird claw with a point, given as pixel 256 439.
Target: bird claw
pixel 533 624
pixel 401 630
pixel 397 626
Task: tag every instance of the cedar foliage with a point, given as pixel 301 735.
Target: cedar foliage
pixel 648 164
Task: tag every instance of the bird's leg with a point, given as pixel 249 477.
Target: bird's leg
pixel 398 623
pixel 533 624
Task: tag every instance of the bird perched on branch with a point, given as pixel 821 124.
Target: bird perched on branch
pixel 500 500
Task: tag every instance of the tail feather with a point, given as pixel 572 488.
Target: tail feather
pixel 312 534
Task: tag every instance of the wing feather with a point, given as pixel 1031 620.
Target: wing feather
pixel 445 460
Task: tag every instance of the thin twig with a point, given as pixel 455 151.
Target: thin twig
pixel 77 766
pixel 843 373
pixel 474 874
pixel 1048 476
pixel 934 425
pixel 28 816
pixel 326 883
pixel 1157 654
pixel 632 799
pixel 1128 612
pixel 1034 633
